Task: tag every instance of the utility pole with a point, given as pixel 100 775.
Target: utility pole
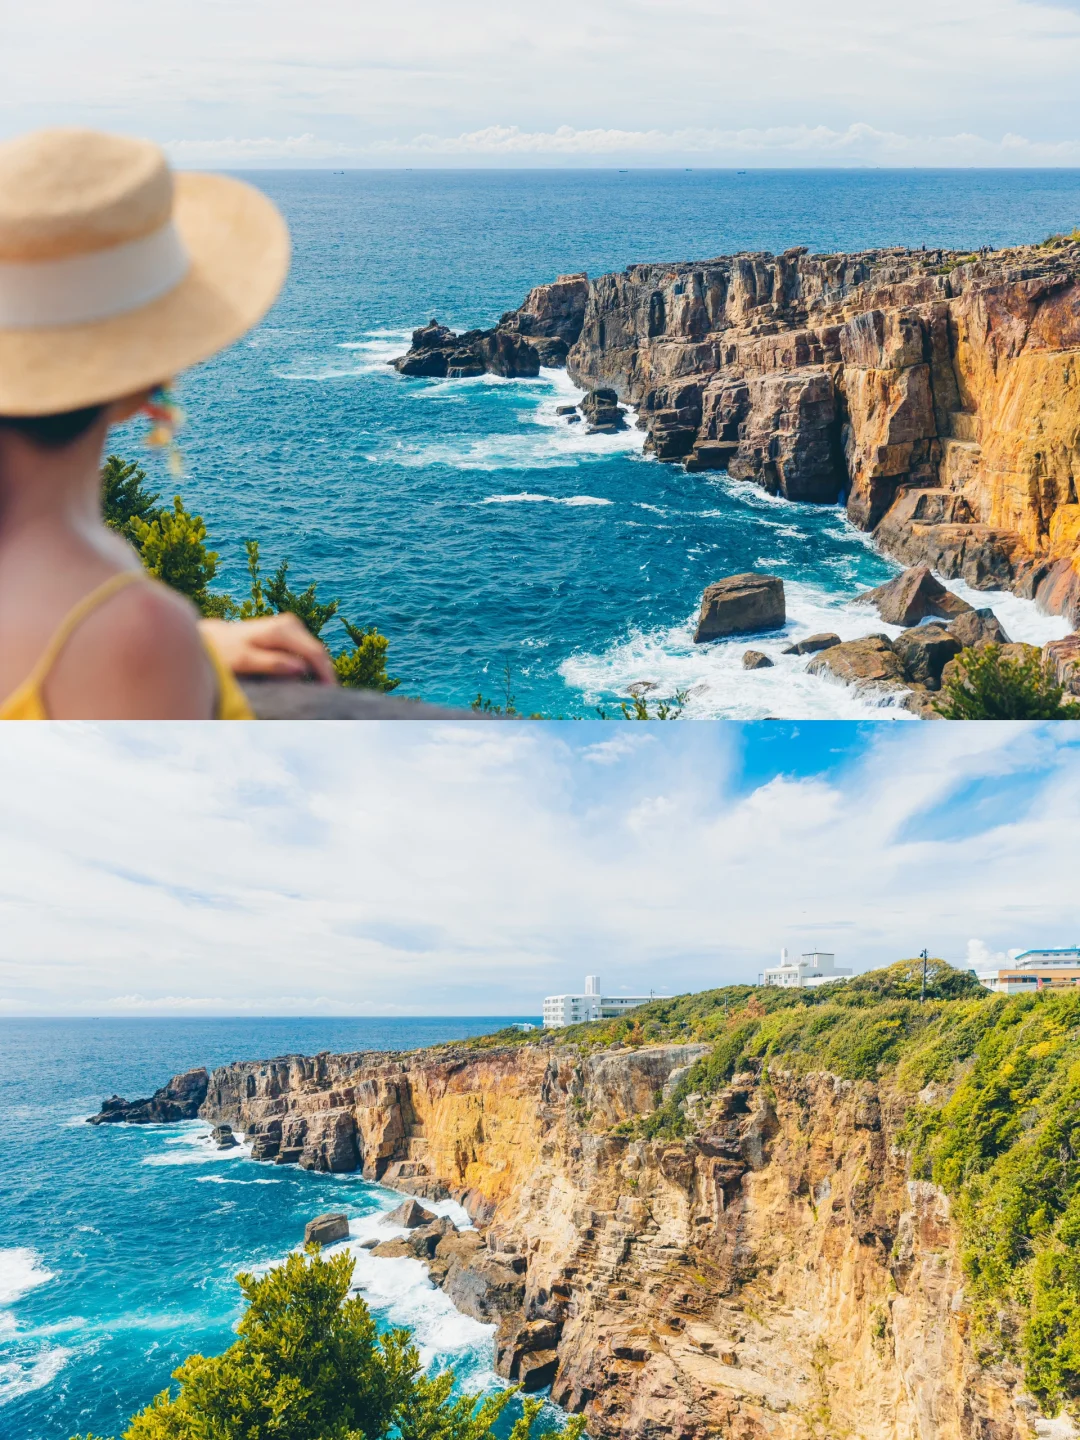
pixel 925 958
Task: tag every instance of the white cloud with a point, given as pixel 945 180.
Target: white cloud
pixel 475 868
pixel 981 957
pixel 259 82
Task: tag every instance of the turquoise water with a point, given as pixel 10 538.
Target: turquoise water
pixel 466 520
pixel 118 1244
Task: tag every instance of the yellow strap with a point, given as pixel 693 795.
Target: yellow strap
pixel 73 619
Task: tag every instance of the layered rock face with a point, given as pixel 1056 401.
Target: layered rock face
pixel 940 394
pixel 178 1100
pixel 774 1273
pixel 539 333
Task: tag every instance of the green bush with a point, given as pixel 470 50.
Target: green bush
pixel 989 685
pixel 309 1364
pixel 1006 1146
pixel 173 547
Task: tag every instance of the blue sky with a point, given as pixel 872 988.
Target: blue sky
pixel 473 868
pixel 571 82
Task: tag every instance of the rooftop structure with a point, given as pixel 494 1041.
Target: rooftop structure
pixel 1034 970
pixel 562 1010
pixel 818 967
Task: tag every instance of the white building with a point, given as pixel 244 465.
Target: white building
pixel 562 1010
pixel 1034 970
pixel 816 968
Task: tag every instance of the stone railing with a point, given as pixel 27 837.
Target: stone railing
pixel 297 700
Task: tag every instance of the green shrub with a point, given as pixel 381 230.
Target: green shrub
pixel 309 1364
pixel 172 545
pixel 991 686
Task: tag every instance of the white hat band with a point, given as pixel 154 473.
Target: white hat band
pixel 39 294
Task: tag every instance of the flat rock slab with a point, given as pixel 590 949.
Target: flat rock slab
pixel 410 1214
pixel 870 663
pixel 812 644
pixel 741 603
pixel 913 596
pixel 326 1229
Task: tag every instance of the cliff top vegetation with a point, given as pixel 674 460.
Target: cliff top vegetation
pixel 988 1089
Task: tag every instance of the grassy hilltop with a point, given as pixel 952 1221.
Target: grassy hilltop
pixel 998 1128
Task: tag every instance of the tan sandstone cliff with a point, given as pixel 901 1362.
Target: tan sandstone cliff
pixel 775 1274
pixel 939 392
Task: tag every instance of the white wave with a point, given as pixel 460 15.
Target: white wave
pixel 540 439
pixel 719 688
pixel 21 1377
pixel 222 1180
pixel 403 1294
pixel 1021 619
pixel 328 372
pixel 21 1271
pixel 375 338
pixel 193 1146
pixel 525 497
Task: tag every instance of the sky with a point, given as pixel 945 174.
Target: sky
pixel 471 868
pixel 571 82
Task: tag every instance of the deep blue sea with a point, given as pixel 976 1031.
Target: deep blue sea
pixel 118 1244
pixel 463 517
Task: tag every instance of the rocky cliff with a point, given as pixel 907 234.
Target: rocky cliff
pixel 773 1272
pixel 939 393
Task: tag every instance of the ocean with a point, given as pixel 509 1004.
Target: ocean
pixel 484 536
pixel 119 1244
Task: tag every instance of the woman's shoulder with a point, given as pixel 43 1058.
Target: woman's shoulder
pixel 137 655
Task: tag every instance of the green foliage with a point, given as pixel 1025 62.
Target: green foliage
pixel 1058 242
pixel 506 706
pixel 637 708
pixel 124 496
pixel 992 1085
pixel 309 1364
pixel 173 549
pixel 1006 1146
pixel 991 686
pixel 364 666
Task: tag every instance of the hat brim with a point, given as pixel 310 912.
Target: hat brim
pixel 239 249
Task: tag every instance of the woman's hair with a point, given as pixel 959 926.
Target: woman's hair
pixel 53 432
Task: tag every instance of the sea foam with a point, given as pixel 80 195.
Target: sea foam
pixel 21 1271
pixel 21 1377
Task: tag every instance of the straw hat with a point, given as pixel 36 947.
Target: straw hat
pixel 115 274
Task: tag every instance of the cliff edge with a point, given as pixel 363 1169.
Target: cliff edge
pixel 837 1212
pixel 936 393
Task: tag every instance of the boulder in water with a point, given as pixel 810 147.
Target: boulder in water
pixel 410 1214
pixel 913 596
pixel 812 644
pixel 741 603
pixel 869 663
pixel 602 410
pixel 327 1229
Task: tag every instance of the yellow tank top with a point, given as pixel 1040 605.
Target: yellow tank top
pixel 28 703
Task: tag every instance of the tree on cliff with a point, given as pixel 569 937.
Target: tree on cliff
pixel 310 1364
pixel 989 685
pixel 173 546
